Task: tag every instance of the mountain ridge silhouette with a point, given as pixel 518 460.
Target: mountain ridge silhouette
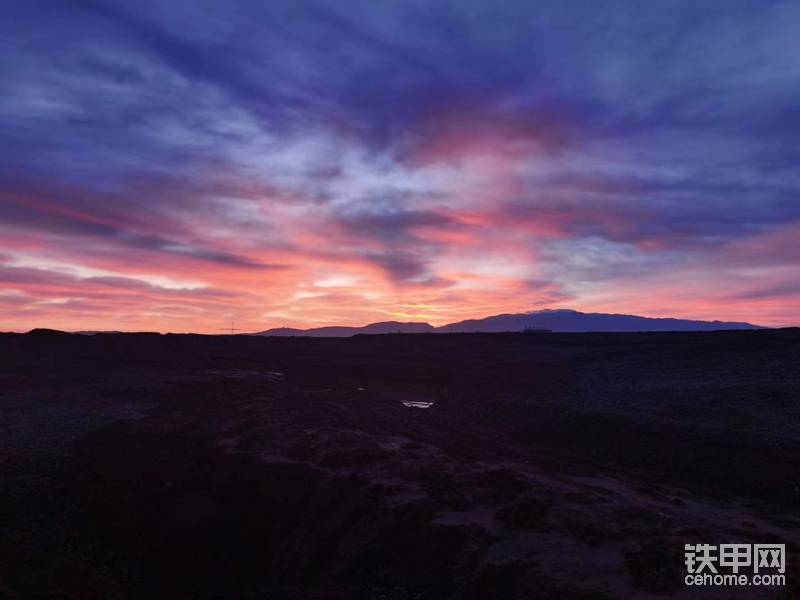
pixel 556 320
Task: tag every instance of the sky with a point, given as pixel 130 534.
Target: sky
pixel 178 165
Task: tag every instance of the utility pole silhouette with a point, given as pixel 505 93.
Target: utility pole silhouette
pixel 230 329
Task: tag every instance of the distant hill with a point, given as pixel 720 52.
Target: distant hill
pixel 44 332
pixel 560 320
pixel 574 321
pixel 383 327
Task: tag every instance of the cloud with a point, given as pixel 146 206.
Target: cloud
pixel 442 155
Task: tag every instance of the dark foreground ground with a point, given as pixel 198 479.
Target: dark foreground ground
pixel 548 466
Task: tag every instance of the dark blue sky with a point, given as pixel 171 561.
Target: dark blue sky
pixel 293 163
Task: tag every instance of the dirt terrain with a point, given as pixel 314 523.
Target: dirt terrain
pixel 420 466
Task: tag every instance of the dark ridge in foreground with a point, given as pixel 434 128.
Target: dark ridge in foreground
pixel 550 320
pixel 428 467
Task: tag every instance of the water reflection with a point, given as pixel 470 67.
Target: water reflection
pixel 417 404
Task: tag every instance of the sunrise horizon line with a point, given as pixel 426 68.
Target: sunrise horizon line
pixel 262 329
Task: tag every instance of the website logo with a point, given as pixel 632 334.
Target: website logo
pixel 735 564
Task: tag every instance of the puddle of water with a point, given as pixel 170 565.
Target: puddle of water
pixel 417 404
